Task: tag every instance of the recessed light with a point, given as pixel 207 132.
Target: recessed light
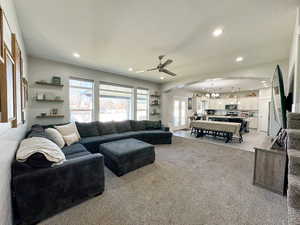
pixel 140 71
pixel 162 78
pixel 217 32
pixel 239 59
pixel 130 69
pixel 76 55
pixel 263 81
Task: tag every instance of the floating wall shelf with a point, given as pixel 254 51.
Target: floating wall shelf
pixel 49 100
pixel 49 84
pixel 50 116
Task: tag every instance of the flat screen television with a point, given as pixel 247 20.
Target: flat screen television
pixel 278 118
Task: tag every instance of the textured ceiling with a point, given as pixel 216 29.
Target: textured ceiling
pixel 115 35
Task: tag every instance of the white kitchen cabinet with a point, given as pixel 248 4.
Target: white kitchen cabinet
pixel 248 103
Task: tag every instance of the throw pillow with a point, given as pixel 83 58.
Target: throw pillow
pixel 55 136
pixel 71 139
pixel 87 129
pixel 123 126
pixel 33 145
pixel 107 128
pixel 69 133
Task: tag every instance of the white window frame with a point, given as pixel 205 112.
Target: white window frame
pixel 132 104
pixel 136 102
pixel 79 87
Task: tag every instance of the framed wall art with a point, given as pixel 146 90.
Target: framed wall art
pixel 24 97
pixel 1 36
pixel 8 91
pixel 7 34
pixel 18 76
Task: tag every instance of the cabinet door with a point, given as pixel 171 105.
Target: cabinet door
pixel 213 104
pixel 220 104
pixel 242 104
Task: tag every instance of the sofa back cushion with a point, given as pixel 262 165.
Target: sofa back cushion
pixel 107 128
pixel 123 126
pixel 87 129
pixel 138 125
pixel 152 125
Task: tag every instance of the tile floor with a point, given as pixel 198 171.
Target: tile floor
pixel 251 139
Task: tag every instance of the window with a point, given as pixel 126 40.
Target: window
pixel 81 100
pixel 142 104
pixel 116 103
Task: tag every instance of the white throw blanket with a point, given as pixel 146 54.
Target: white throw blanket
pixel 44 146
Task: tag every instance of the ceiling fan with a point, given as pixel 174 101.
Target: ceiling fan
pixel 161 66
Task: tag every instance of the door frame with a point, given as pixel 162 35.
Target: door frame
pixel 180 99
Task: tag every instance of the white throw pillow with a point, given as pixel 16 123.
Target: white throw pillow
pixel 41 145
pixel 55 136
pixel 70 139
pixel 69 133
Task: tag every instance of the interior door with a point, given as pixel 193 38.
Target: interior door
pixel 264 115
pixel 179 114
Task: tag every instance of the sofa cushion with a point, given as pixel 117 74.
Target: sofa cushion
pixel 137 125
pixel 156 133
pixel 92 143
pixel 152 125
pixel 88 129
pixel 107 128
pixel 78 154
pixel 123 126
pixel 74 149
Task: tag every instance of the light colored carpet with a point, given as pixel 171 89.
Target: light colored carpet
pixel 191 182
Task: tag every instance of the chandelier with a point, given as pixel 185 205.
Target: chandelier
pixel 212 94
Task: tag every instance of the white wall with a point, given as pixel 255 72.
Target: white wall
pixel 42 69
pixel 294 63
pixel 167 104
pixel 9 137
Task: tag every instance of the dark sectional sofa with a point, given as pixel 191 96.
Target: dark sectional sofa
pixel 39 190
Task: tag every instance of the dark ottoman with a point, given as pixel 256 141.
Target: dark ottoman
pixel 126 155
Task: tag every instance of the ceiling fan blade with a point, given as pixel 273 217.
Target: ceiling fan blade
pixel 152 69
pixel 167 72
pixel 161 57
pixel 140 71
pixel 169 61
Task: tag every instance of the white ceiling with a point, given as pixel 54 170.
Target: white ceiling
pixel 224 85
pixel 116 34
